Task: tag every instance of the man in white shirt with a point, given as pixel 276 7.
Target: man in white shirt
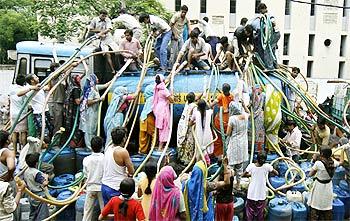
pixel 293 139
pixel 130 22
pixel 20 132
pixel 177 24
pixel 102 25
pixel 93 171
pixel 162 30
pixel 195 48
pixel 208 34
pixel 37 104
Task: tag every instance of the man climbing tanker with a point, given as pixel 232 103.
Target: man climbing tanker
pixel 237 113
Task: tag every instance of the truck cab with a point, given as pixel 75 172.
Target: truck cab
pixel 35 57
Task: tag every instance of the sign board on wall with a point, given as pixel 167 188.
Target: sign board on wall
pixel 330 14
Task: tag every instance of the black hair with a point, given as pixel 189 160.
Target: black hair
pixel 53 66
pixel 47 140
pixel 103 12
pixel 190 97
pixel 20 80
pixel 244 21
pixel 143 17
pixel 261 158
pixel 118 134
pixel 290 122
pixel 194 34
pixel 31 159
pixel 261 6
pixel 326 152
pixel 321 120
pixel 96 144
pixel 296 69
pixel 249 28
pixel 223 40
pixel 206 19
pixel 226 88
pixel 184 8
pixel 202 107
pixel 151 172
pixel 122 11
pixel 196 29
pixel 127 188
pixel 29 78
pixel 4 137
pixel 129 31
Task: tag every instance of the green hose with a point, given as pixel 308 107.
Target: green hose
pixel 65 144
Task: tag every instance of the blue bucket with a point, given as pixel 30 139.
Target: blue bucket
pixel 277 181
pixel 338 210
pixel 137 160
pixel 68 213
pixel 80 154
pixel 344 196
pixel 299 211
pixel 339 175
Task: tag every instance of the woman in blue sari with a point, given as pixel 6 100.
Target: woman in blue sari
pixel 115 112
pixel 197 192
pixel 89 108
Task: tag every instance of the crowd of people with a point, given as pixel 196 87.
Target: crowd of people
pixel 164 195
pixel 182 39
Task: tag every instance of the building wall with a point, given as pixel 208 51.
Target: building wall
pixel 326 23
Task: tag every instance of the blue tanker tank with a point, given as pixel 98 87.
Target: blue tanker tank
pixel 299 211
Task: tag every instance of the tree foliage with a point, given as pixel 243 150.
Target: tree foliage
pixel 17 23
pixel 63 19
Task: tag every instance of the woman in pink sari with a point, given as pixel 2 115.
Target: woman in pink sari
pixel 167 202
pixel 161 109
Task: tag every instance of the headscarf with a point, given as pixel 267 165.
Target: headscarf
pixel 89 84
pixel 165 201
pixel 157 88
pixel 147 108
pixel 235 108
pixel 117 101
pixel 195 193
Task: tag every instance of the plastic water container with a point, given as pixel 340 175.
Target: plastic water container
pixel 344 185
pixel 339 175
pixel 24 209
pixel 271 156
pixel 282 168
pixel 306 167
pixel 279 210
pixel 137 160
pixel 344 196
pixel 238 207
pixel 171 152
pixel 80 154
pixel 235 218
pixel 300 187
pixel 61 180
pixel 64 162
pixel 277 181
pixel 48 156
pixel 294 196
pixel 338 210
pixel 79 209
pixel 68 213
pixel 299 211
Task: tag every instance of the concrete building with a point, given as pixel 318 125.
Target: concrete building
pixel 314 38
